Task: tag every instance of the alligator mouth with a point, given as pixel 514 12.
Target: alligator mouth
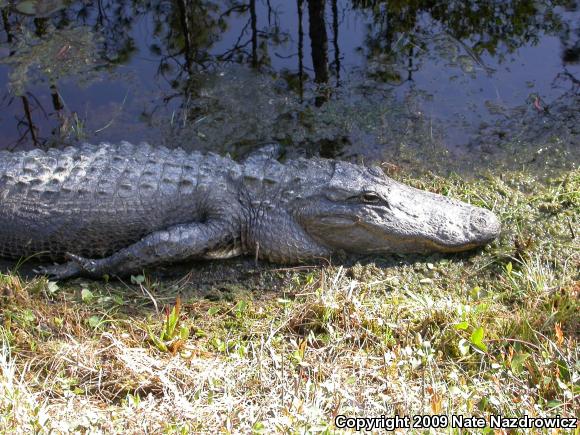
pixel 339 220
pixel 423 245
pixel 426 243
pixel 431 245
pixel 481 227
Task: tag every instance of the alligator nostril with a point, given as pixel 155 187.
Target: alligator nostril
pixel 485 224
pixel 478 221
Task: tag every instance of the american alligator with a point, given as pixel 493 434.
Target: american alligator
pixel 116 209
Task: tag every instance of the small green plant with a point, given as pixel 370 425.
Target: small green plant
pixel 173 335
pixel 240 309
pixel 475 340
pixel 87 296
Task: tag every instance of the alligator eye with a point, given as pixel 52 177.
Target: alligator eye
pixel 371 198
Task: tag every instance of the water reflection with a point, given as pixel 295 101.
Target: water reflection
pixel 331 74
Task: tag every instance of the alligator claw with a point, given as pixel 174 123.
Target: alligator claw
pixel 59 271
pixel 76 265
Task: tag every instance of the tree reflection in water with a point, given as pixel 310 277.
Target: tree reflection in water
pixel 189 39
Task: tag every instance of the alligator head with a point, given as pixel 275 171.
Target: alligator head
pixel 361 210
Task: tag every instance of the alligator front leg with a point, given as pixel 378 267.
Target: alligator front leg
pixel 177 243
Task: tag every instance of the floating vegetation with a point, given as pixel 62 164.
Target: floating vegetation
pixel 52 57
pixel 39 8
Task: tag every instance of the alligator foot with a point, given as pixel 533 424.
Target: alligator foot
pixel 59 271
pixel 87 265
pixel 76 266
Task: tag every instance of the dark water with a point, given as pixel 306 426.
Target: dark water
pixel 448 85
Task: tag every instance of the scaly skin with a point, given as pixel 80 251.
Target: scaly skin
pixel 116 209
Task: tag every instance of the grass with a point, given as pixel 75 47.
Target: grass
pixel 237 349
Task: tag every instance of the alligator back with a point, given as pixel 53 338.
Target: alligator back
pixel 95 200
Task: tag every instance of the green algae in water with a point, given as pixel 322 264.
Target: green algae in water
pixel 58 55
pixel 39 9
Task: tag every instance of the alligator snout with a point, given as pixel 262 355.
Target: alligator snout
pixel 484 225
pixel 463 227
